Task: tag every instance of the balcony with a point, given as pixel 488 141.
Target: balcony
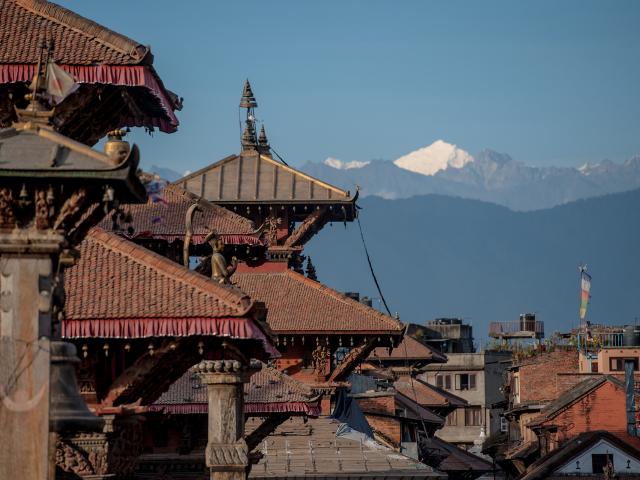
pixel 523 328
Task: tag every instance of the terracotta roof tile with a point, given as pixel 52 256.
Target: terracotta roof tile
pixel 269 390
pixel 297 304
pixel 77 40
pixel 409 349
pixel 116 278
pixel 165 219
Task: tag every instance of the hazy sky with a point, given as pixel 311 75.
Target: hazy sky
pixel 549 82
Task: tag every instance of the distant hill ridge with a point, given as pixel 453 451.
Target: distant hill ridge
pixel 443 168
pixel 437 256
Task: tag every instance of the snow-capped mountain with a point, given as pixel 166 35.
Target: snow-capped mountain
pixel 444 168
pixel 438 156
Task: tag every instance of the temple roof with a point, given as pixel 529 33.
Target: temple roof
pixel 163 217
pixel 118 85
pixel 268 391
pixel 257 178
pixel 409 349
pixel 32 149
pixel 77 40
pixel 427 395
pixel 296 304
pixel 121 290
pixel 312 449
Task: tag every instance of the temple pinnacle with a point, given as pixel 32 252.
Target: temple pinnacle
pixel 263 142
pixel 247 100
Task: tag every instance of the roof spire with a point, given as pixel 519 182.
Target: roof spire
pixel 263 142
pixel 248 101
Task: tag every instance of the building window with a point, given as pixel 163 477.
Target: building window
pixel 452 418
pixel 465 381
pixel 594 367
pixel 616 364
pixel 443 381
pixel 600 460
pixel 472 416
pixel 504 424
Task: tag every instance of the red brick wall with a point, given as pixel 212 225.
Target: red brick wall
pixel 382 404
pixel 602 409
pixel 538 375
pixel 389 426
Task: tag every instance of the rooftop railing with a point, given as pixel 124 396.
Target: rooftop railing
pixel 527 326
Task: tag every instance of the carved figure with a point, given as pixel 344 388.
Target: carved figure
pixel 220 271
pixel 271 225
pixel 319 356
pixel 42 210
pixel 7 219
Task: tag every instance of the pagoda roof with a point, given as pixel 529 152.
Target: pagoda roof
pixel 92 54
pixel 121 290
pixel 78 40
pixel 297 304
pixel 257 178
pixel 163 218
pixel 409 349
pixel 268 391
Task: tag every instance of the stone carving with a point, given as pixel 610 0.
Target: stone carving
pixel 226 454
pixel 114 451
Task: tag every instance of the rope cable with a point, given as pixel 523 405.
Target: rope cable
pixel 373 274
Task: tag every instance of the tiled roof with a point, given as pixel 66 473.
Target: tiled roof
pixel 572 395
pixel 268 391
pixel 76 40
pixel 426 394
pixel 313 450
pixel 116 278
pixel 296 304
pixel 456 459
pixel 164 218
pixel 409 349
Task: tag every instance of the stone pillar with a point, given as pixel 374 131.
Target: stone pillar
pixel 227 453
pixel 25 325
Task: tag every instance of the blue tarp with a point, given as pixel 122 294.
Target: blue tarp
pixel 347 411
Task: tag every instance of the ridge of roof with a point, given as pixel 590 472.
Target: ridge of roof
pixel 571 396
pixel 234 298
pixel 351 303
pixel 88 28
pixel 450 399
pixel 411 347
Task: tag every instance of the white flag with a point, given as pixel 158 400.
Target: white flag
pixel 60 84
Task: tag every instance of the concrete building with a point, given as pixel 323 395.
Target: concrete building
pixel 477 378
pixel 449 335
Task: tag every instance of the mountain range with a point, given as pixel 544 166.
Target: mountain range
pixel 438 256
pixel 443 168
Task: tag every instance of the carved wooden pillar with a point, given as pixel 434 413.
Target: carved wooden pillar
pixel 25 323
pixel 226 453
